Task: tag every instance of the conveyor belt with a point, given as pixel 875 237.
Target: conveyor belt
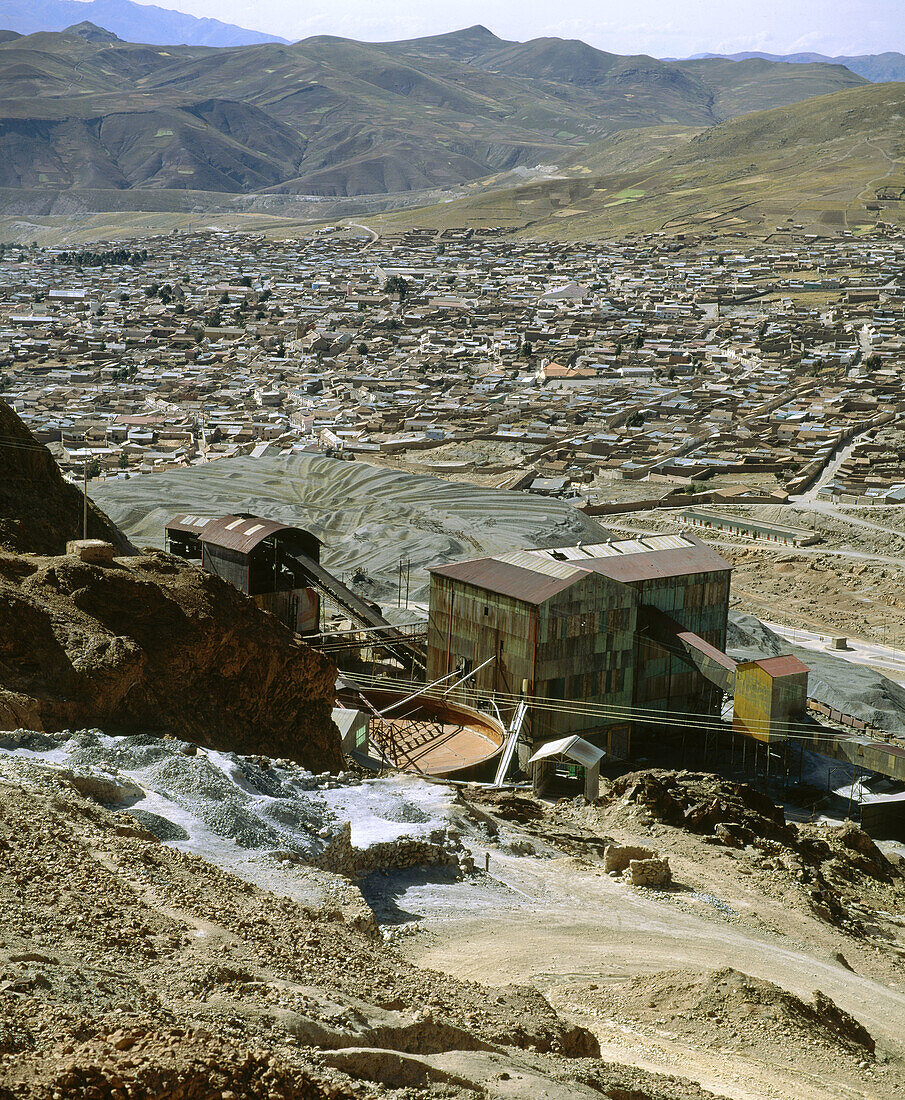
pixel 712 663
pixel 360 611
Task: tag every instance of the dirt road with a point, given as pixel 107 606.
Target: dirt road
pixel 567 928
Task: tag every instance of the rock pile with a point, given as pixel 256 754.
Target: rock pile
pixel 727 1006
pixel 700 802
pixel 836 869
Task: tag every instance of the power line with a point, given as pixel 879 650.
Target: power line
pixel 15 445
pixel 611 712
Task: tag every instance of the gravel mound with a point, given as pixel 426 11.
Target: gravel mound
pixel 158 826
pixel 368 516
pixel 728 1007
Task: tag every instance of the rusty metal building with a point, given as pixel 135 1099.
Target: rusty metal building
pixel 547 628
pixel 260 557
pixel 573 624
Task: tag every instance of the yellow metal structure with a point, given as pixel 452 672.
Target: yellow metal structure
pixel 769 694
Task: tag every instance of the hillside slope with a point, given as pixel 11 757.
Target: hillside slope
pixel 39 511
pixel 831 163
pixel 334 117
pixel 145 642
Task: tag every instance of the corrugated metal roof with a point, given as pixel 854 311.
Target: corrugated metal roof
pixel 643 544
pixel 599 550
pixel 784 665
pixel 654 564
pixel 240 533
pixel 506 579
pixel 189 524
pixel 573 748
pixel 667 542
pixel 531 575
pixel 538 562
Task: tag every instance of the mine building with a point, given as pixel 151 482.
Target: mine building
pixel 770 694
pixel 635 627
pixel 266 560
pixel 279 567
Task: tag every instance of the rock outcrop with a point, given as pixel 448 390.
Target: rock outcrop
pixel 39 510
pixel 142 642
pixel 151 644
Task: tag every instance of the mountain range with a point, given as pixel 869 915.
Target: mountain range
pixel 875 67
pixel 133 22
pixel 329 116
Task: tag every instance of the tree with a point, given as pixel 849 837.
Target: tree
pixel 244 280
pixel 636 420
pixel 527 349
pixel 94 468
pixel 362 349
pixel 395 284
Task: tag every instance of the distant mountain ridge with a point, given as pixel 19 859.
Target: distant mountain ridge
pixel 824 166
pixel 127 20
pixel 878 68
pixel 335 118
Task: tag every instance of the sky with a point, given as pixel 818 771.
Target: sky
pixel 661 28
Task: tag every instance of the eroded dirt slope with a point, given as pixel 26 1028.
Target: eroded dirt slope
pixel 150 643
pixel 128 967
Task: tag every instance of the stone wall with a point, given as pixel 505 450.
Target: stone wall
pixel 439 849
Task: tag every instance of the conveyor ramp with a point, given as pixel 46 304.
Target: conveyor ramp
pixel 714 665
pixel 360 611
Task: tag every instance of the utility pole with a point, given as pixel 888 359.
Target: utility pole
pixel 85 503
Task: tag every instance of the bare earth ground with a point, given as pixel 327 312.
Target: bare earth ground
pixel 851 583
pixel 637 966
pixel 131 968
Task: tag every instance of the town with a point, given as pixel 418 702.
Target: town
pixel 602 373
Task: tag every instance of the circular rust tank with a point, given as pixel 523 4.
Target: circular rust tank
pixel 430 736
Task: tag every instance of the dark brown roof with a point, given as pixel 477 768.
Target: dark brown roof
pixel 655 564
pixel 240 533
pixel 509 580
